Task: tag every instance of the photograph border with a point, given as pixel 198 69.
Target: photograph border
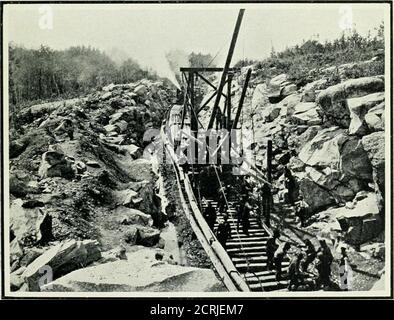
pixel 181 295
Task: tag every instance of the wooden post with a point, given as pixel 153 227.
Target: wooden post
pixel 230 77
pixel 241 100
pixel 226 67
pixel 193 116
pixel 269 161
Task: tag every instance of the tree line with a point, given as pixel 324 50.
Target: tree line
pixel 45 74
pixel 297 61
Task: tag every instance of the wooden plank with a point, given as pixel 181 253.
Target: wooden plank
pixel 226 67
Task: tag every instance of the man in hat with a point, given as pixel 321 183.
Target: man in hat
pixel 223 231
pixel 302 211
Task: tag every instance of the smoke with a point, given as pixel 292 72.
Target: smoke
pixel 175 60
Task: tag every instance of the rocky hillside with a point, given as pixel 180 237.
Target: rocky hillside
pixel 85 203
pixel 329 133
pixel 331 137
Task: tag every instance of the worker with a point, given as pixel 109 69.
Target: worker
pixel 222 203
pixel 290 184
pixel 310 253
pixel 210 215
pixel 267 201
pixel 279 256
pixel 272 246
pixel 223 231
pixel 344 270
pixel 301 211
pixel 296 276
pixel 245 218
pixel 326 259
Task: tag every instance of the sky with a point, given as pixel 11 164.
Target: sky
pixel 146 32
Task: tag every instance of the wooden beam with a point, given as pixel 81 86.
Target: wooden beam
pixel 209 83
pixel 206 102
pixel 242 98
pixel 226 67
pixel 228 124
pixel 269 161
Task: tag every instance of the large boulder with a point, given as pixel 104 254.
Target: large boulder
pixel 270 112
pixel 60 260
pixel 278 82
pixel 133 150
pixel 375 118
pixel 147 236
pixel 362 222
pixel 280 87
pixel 20 184
pixel 314 195
pixel 17 147
pixel 297 142
pixel 144 270
pixel 127 197
pixel 337 163
pixel 288 90
pixel 129 216
pixel 311 90
pixel 260 98
pixel 333 100
pixel 55 164
pixel 30 225
pixel 141 169
pixel 358 108
pixel 306 113
pixel 374 145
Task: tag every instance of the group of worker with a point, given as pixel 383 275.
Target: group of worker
pixel 320 259
pixel 243 211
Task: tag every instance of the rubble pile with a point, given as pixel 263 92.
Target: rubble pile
pixel 81 193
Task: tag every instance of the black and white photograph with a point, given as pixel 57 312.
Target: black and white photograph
pixel 188 149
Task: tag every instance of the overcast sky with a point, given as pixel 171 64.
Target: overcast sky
pixel 145 32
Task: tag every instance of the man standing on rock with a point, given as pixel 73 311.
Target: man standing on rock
pixel 272 246
pixel 279 256
pixel 301 211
